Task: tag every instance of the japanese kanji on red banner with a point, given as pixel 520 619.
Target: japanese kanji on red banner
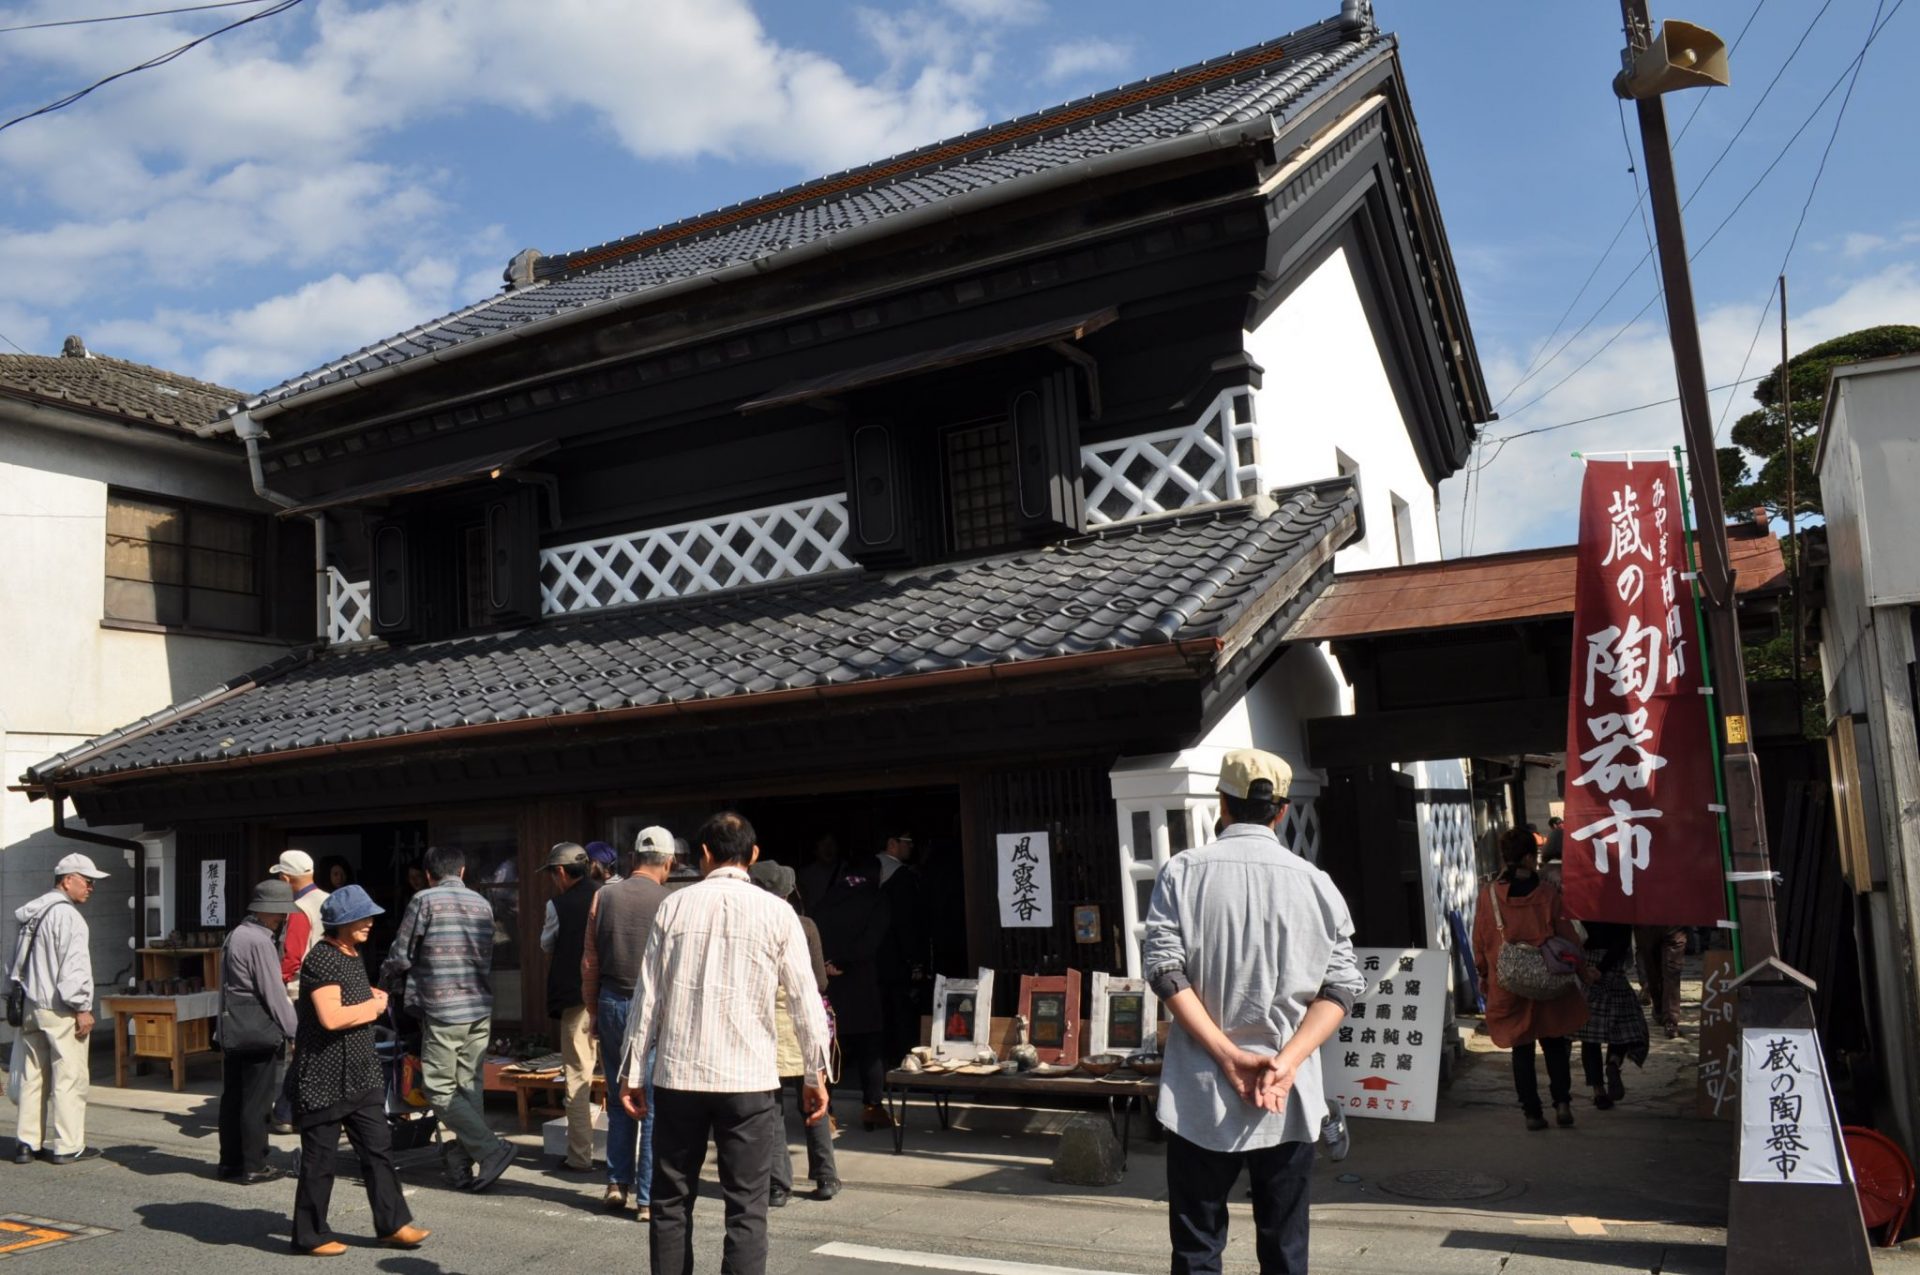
pixel 1641 840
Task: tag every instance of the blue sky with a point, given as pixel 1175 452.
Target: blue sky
pixel 331 175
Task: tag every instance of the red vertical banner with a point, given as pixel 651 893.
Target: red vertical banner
pixel 1641 837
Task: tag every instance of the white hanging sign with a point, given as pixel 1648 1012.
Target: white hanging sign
pixel 1026 881
pixel 1383 1062
pixel 213 892
pixel 1786 1114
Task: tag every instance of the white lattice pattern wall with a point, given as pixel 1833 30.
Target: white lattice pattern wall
pixel 349 608
pixel 1299 828
pixel 1211 460
pixel 1446 838
pixel 778 542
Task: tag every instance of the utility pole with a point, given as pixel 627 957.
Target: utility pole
pixel 1753 891
pixel 1775 1226
pixel 1785 390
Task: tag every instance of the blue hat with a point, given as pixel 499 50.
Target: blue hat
pixel 346 905
pixel 601 853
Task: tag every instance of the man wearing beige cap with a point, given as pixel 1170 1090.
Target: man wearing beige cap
pixel 295 867
pixel 51 960
pixel 1250 948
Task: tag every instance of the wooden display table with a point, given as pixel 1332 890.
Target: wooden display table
pixel 172 1026
pixel 1121 1095
pixel 528 1083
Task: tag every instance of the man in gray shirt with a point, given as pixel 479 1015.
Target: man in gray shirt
pixel 52 960
pixel 1250 947
pixel 250 972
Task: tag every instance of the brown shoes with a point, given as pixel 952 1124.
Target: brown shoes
pixel 332 1248
pixel 644 1213
pixel 874 1116
pixel 408 1236
pixel 616 1197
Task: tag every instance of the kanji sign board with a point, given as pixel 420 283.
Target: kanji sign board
pixel 1786 1113
pixel 1384 1060
pixel 1026 880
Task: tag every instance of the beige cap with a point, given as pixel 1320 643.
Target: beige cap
pixel 293 863
pixel 567 854
pixel 653 839
pixel 1242 768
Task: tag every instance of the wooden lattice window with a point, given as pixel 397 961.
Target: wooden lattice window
pixel 183 566
pixel 983 487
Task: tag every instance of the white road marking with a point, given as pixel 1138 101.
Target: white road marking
pixel 944 1262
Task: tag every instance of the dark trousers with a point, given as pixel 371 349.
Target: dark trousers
pixel 1559 1052
pixel 743 1127
pixel 1661 949
pixel 248 1085
pixel 1198 1183
pixel 865 1055
pixel 1590 1061
pixel 900 1008
pixel 820 1165
pixel 366 1126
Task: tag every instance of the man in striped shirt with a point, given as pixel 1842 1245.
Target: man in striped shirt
pixel 705 1003
pixel 442 961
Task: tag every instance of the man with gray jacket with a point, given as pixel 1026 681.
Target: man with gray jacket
pixel 52 961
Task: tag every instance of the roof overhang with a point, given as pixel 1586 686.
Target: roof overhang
pixel 434 478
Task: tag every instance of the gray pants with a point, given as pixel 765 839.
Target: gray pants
pixel 820 1165
pixel 451 1055
pixel 741 1126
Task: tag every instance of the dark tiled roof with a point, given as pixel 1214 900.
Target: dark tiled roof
pixel 1272 79
pixel 117 387
pixel 1495 588
pixel 1147 584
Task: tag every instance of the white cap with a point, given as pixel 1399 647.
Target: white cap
pixel 293 863
pixel 655 841
pixel 76 863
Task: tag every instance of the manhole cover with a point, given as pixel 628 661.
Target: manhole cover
pixel 1443 1184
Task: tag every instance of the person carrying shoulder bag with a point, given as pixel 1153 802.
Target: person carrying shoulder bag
pixel 256 1022
pixel 1529 1000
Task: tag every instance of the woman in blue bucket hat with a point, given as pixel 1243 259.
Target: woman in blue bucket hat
pixel 337 1081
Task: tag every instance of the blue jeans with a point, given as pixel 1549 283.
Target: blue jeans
pixel 629 1142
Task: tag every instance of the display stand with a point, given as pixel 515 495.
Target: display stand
pixel 172 1026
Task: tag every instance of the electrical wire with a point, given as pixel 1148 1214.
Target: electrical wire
pixel 158 60
pixel 1859 64
pixel 10 341
pixel 123 17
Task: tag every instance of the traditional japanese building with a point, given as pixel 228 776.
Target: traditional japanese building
pixel 975 489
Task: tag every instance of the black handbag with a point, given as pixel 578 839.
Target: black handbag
pixel 17 994
pixel 247 1026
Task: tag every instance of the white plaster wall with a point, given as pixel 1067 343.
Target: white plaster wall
pixel 1325 389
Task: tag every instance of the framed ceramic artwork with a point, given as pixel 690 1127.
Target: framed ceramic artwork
pixel 962 1014
pixel 1051 1005
pixel 1125 1017
pixel 1086 923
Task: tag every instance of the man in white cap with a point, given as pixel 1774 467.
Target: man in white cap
pixel 52 961
pixel 303 923
pixel 1250 948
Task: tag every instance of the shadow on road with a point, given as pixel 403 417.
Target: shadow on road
pixel 268 1230
pixel 1613 1254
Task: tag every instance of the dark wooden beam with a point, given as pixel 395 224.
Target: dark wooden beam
pixel 1497 728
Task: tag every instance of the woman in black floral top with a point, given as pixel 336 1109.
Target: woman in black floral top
pixel 337 1082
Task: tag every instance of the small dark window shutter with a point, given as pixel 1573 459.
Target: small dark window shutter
pixel 394 593
pixel 1046 429
pixel 291 599
pixel 879 494
pixel 512 523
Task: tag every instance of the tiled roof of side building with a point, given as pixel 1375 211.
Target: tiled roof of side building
pixel 1271 79
pixel 1134 587
pixel 115 387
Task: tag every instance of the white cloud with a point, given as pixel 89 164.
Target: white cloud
pixel 1092 56
pixel 1010 12
pixel 1526 496
pixel 1859 243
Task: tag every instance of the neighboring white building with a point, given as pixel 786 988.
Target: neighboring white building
pixel 1869 468
pixel 139 569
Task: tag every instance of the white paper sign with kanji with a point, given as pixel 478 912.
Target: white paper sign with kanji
pixel 213 892
pixel 1786 1114
pixel 1383 1062
pixel 1026 880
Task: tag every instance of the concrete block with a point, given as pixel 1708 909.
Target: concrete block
pixel 553 1136
pixel 1089 1154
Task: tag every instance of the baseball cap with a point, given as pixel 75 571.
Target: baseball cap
pixel 77 863
pixel 348 904
pixel 271 896
pixel 293 863
pixel 1244 769
pixel 654 839
pixel 567 855
pixel 601 853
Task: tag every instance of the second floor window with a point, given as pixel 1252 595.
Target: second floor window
pixel 182 565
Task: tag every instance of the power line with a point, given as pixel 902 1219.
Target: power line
pixel 1618 411
pixel 123 17
pixel 158 60
pixel 10 341
pixel 1859 64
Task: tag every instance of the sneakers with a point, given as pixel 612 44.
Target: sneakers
pixel 1335 1133
pixel 84 1153
pixel 491 1167
pixel 644 1213
pixel 615 1198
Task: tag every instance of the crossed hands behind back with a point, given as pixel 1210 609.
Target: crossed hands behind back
pixel 1262 1080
